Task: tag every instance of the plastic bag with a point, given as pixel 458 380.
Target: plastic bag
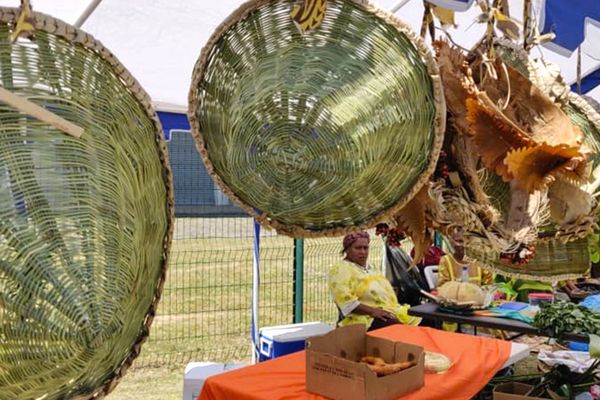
pixel 407 284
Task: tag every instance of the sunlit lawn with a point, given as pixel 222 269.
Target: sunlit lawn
pixel 150 384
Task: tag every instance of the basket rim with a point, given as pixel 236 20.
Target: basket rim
pixel 522 273
pixel 74 35
pixel 296 230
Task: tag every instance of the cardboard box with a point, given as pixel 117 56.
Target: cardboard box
pixel 333 370
pixel 514 391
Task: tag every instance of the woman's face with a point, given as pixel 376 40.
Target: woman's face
pixel 358 252
pixel 459 252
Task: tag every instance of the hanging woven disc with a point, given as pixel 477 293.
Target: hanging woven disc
pixel 322 132
pixel 85 222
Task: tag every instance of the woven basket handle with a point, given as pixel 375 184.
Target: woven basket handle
pixel 24 27
pixel 25 106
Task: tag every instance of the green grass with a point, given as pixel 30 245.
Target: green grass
pixel 205 311
pixel 150 384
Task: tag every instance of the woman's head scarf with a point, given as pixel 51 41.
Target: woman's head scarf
pixel 353 237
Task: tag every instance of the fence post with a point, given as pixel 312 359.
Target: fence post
pixel 298 280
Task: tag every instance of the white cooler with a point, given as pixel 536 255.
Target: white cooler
pixel 197 372
pixel 275 341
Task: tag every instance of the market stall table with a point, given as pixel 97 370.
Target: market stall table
pixel 430 311
pixel 476 361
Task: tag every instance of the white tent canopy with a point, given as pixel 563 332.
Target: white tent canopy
pixel 159 41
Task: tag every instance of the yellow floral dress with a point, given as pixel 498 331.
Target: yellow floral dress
pixel 350 284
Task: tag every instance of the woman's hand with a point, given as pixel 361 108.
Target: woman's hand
pixel 383 315
pixel 374 312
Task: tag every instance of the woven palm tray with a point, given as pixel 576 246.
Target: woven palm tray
pixel 322 132
pixel 85 223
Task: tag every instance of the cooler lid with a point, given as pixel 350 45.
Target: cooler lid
pixel 293 332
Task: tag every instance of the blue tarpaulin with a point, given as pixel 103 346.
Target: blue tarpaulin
pixel 567 20
pixel 589 82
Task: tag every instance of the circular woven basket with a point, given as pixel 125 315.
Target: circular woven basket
pixel 318 133
pixel 554 260
pixel 85 223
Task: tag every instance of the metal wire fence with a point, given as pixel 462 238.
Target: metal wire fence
pixel 205 312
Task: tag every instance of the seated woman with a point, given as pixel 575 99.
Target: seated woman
pixel 450 268
pixel 362 294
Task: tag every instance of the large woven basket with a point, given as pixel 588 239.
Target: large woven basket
pixel 317 133
pixel 554 260
pixel 85 223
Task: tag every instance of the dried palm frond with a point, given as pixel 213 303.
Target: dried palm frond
pixel 537 166
pixel 466 156
pixel 581 228
pixel 546 76
pixel 534 168
pixel 458 85
pixel 530 143
pixel 531 110
pixel 412 220
pixel 494 136
pixel 458 211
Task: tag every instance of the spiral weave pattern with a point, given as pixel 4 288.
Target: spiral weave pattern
pixel 320 133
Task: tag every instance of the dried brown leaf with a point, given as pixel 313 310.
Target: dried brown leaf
pixel 411 219
pixel 456 82
pixel 533 168
pixel 530 109
pixel 445 16
pixel 493 136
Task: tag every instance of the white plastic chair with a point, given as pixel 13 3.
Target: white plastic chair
pixel 431 276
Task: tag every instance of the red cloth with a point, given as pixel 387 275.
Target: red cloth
pixel 432 256
pixel 476 361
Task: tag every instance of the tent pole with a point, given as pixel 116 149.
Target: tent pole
pixel 398 6
pixel 86 13
pixel 255 321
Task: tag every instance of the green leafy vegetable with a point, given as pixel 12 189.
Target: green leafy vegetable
pixel 560 317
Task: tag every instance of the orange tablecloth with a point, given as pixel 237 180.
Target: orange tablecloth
pixel 476 360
